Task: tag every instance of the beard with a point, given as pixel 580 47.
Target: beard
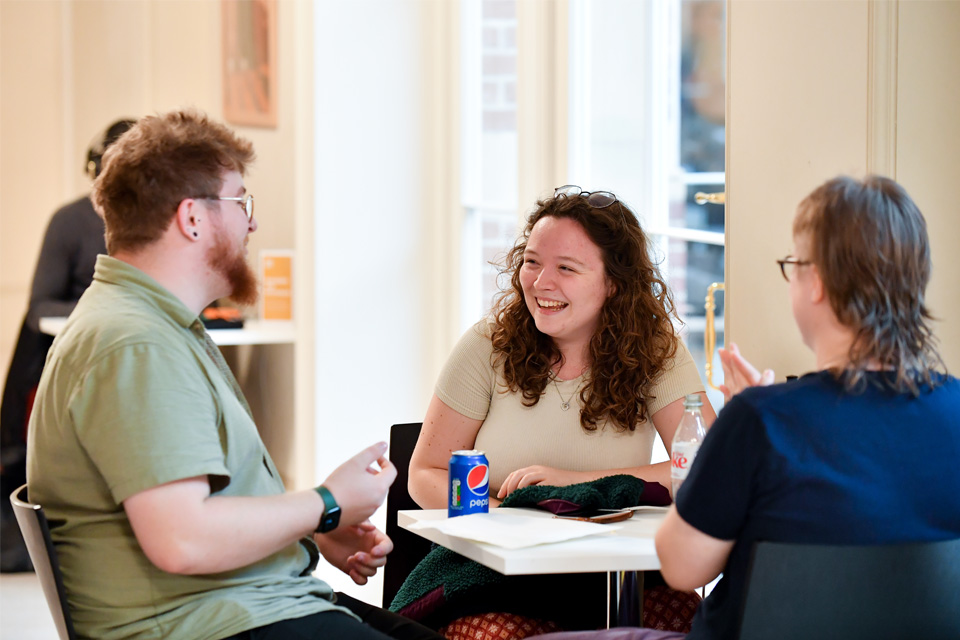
pixel 231 263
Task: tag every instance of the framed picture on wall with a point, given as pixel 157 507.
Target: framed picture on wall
pixel 250 62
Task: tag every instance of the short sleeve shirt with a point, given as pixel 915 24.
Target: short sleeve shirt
pixel 130 399
pixel 808 462
pixel 515 436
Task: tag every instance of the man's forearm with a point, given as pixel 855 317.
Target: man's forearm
pixel 182 529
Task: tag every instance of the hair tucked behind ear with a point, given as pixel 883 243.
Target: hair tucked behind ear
pixel 635 337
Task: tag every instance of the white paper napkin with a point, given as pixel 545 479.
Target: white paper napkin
pixel 513 531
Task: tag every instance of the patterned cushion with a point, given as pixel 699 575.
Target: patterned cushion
pixel 496 626
pixel 668 609
pixel 664 608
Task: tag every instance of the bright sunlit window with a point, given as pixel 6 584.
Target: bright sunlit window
pixel 489 143
pixel 647 94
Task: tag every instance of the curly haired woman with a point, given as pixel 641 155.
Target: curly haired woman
pixel 586 325
pixel 576 367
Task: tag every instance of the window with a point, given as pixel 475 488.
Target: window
pixel 489 148
pixel 647 95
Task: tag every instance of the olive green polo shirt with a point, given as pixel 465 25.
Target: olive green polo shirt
pixel 131 399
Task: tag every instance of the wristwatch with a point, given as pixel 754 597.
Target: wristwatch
pixel 331 511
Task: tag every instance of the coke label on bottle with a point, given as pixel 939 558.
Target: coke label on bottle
pixel 686 441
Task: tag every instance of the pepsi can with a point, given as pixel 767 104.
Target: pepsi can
pixel 469 483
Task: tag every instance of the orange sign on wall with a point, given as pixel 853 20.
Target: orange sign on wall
pixel 276 303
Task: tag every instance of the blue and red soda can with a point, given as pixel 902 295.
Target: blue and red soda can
pixel 469 483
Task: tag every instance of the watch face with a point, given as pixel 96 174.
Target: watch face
pixel 330 520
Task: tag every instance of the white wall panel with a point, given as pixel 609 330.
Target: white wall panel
pixel 928 149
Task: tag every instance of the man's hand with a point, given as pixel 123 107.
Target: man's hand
pixel 358 550
pixel 738 374
pixel 358 487
pixel 539 474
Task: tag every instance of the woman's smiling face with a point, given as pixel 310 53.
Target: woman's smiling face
pixel 564 281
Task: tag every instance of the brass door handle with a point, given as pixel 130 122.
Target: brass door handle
pixel 710 331
pixel 719 197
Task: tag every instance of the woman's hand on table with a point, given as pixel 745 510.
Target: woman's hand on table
pixel 357 550
pixel 738 374
pixel 539 474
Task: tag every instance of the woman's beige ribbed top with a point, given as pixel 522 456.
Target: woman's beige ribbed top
pixel 515 436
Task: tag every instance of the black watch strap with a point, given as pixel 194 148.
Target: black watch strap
pixel 331 511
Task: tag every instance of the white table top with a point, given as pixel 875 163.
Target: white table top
pixel 630 548
pixel 253 332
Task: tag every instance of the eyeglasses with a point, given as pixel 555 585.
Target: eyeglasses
pixel 792 261
pixel 596 199
pixel 246 201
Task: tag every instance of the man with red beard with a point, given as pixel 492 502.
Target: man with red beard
pixel 169 518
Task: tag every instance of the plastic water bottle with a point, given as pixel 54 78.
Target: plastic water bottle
pixel 686 441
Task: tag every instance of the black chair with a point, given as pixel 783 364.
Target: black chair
pixel 36 533
pixel 873 592
pixel 409 549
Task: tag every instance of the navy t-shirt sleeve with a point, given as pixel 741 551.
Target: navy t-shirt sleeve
pixel 721 486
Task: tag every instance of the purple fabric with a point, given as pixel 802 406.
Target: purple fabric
pixel 558 506
pixel 656 495
pixel 425 604
pixel 620 633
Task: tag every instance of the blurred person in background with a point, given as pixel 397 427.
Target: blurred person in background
pixel 71 244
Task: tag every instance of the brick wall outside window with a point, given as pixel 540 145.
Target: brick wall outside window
pixel 499 93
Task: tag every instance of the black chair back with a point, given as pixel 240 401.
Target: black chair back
pixel 872 592
pixel 408 548
pixel 36 533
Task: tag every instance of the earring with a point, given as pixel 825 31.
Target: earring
pixel 196 235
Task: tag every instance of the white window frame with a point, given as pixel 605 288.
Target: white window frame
pixel 659 35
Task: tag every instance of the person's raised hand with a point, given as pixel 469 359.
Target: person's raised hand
pixel 359 487
pixel 738 374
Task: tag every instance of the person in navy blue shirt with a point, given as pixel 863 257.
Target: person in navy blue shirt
pixel 863 450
